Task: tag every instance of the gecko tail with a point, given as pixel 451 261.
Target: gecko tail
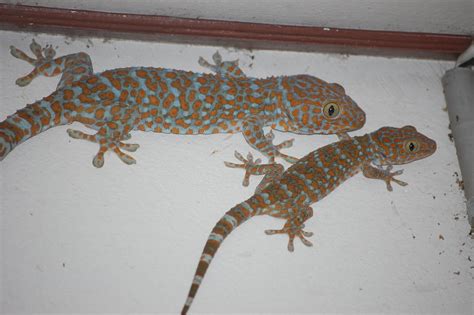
pixel 232 219
pixel 30 121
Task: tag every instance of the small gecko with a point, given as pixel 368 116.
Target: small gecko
pixel 116 102
pixel 289 195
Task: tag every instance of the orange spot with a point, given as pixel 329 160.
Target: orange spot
pixel 142 74
pixel 171 75
pixel 168 101
pixel 79 70
pixel 99 114
pixel 115 109
pixel 68 94
pixel 123 96
pixel 153 100
pixel 192 96
pixel 173 112
pixel 112 125
pixel 152 86
pixel 210 99
pixel 204 90
pixel 295 113
pixel 85 99
pixel 183 102
pixel 197 105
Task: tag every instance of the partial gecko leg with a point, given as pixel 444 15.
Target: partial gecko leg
pixel 378 173
pixel 224 68
pixel 383 174
pixel 272 172
pixel 252 128
pixel 73 67
pixel 296 215
pixel 110 136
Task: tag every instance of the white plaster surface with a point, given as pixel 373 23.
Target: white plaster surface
pixel 126 239
pixel 429 16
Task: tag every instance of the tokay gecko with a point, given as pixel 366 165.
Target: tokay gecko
pixel 289 195
pixel 116 102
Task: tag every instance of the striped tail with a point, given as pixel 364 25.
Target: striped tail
pixel 32 120
pixel 232 219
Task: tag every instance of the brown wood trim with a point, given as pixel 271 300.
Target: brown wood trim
pixel 247 35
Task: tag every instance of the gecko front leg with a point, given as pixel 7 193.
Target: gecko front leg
pixel 73 67
pixel 383 174
pixel 272 172
pixel 252 128
pixel 378 173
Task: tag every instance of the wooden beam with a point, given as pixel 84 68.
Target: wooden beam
pixel 239 34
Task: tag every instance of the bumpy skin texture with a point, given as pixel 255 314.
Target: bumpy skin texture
pixel 289 195
pixel 118 101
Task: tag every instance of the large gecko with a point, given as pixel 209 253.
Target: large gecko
pixel 289 195
pixel 116 102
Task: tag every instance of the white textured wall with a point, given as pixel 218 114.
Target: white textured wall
pixel 430 16
pixel 76 239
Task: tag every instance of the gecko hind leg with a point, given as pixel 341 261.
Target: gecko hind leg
pixel 294 226
pixel 225 68
pixel 43 56
pixel 107 143
pixel 73 67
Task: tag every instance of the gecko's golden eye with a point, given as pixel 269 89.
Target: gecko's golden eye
pixel 331 110
pixel 412 146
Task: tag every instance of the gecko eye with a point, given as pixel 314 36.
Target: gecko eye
pixel 331 110
pixel 412 146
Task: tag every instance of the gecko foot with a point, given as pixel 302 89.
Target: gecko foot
pixel 294 226
pixel 389 177
pixel 106 144
pixel 292 232
pixel 230 68
pixel 284 145
pixel 43 56
pixel 249 165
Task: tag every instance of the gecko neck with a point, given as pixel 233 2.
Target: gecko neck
pixel 375 153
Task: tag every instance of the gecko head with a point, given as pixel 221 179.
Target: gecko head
pixel 401 145
pixel 313 106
